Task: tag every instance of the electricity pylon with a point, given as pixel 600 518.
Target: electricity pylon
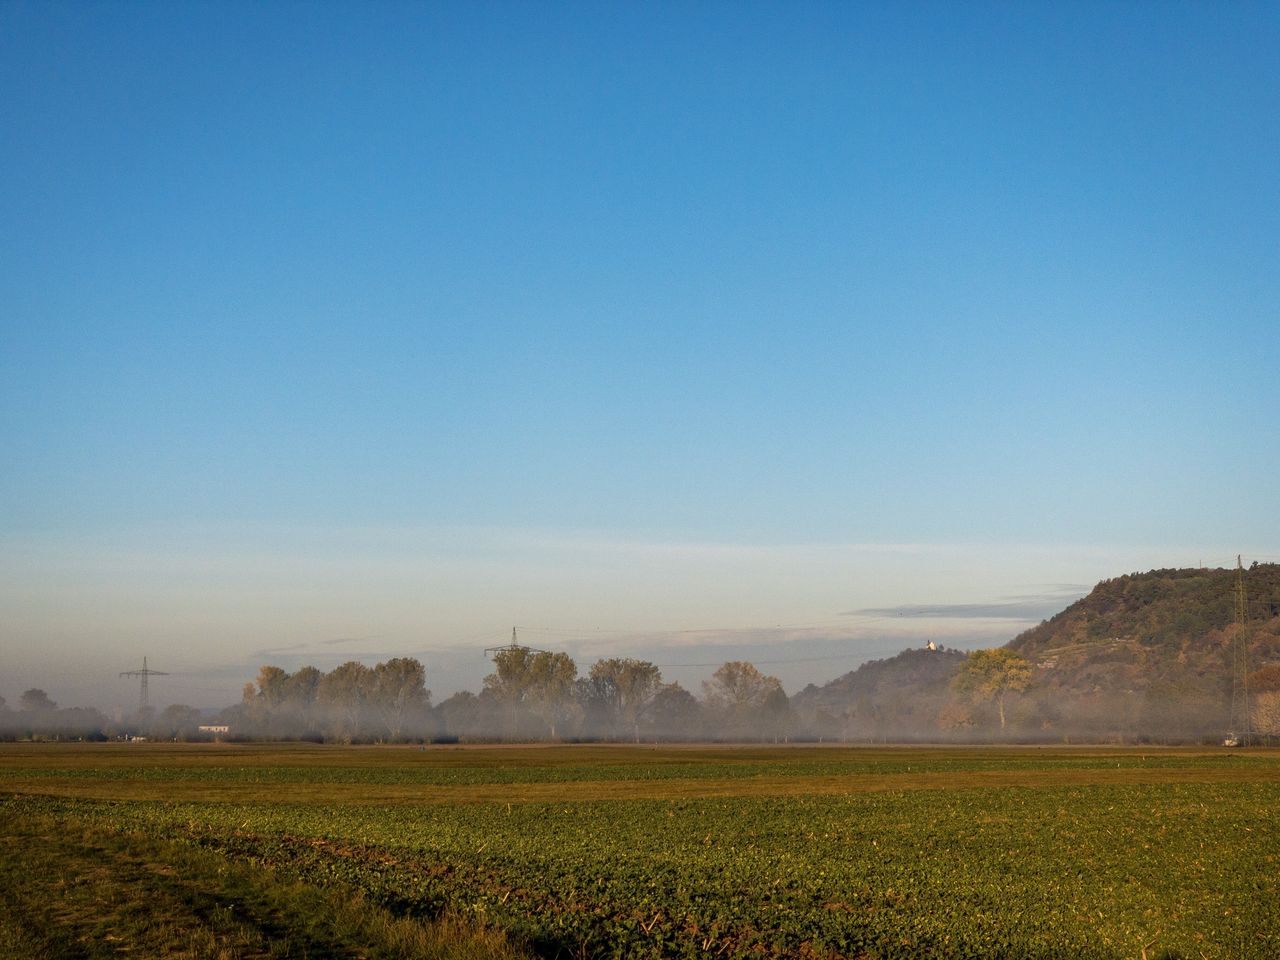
pixel 488 651
pixel 1241 722
pixel 143 699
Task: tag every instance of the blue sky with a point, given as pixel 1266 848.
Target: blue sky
pixel 402 323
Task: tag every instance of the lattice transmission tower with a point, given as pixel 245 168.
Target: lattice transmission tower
pixel 143 698
pixel 510 647
pixel 1241 721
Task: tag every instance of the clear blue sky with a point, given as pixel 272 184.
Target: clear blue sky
pixel 469 305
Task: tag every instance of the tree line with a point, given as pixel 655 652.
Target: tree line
pixel 538 695
pixel 530 695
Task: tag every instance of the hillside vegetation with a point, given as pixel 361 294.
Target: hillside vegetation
pixel 1145 656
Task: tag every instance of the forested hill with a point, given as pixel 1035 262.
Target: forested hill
pixel 1145 655
pixel 1169 611
pixel 899 697
pixel 1168 626
pixel 1150 654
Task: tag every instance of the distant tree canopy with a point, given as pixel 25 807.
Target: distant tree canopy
pixel 387 701
pixel 627 688
pixel 531 684
pixel 531 694
pixel 745 701
pixel 35 700
pixel 398 693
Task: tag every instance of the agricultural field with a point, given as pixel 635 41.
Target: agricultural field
pixel 813 852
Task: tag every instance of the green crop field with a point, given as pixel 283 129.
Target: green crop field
pixel 639 851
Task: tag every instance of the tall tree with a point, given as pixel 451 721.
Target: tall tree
pixel 991 675
pixel 738 692
pixel 398 691
pixel 628 687
pixel 344 691
pixel 272 685
pixel 508 685
pixel 300 691
pixel 549 686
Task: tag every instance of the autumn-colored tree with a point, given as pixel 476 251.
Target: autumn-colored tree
pixel 991 675
pixel 508 685
pixel 1265 680
pixel 272 685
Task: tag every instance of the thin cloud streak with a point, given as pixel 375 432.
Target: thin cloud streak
pixel 1033 607
pixel 1025 610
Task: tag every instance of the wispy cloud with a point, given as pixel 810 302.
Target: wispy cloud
pixel 1026 607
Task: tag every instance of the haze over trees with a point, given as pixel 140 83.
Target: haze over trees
pixel 623 692
pixel 39 716
pixel 1143 657
pixel 530 695
pixel 351 702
